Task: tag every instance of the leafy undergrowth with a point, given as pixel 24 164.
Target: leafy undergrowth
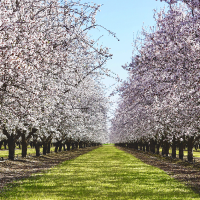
pixel 188 173
pixel 104 173
pixel 24 167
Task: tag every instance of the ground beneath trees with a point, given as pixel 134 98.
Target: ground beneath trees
pixel 180 170
pixel 24 167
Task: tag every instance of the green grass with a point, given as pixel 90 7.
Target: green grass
pixel 4 153
pixel 104 173
pixel 108 144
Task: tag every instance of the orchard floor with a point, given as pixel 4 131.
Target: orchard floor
pixel 104 173
pixel 183 171
pixel 24 167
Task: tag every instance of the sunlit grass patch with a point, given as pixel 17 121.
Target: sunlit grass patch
pixel 104 173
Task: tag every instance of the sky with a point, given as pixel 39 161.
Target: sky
pixel 125 18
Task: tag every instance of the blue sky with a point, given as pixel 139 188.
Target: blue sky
pixel 126 19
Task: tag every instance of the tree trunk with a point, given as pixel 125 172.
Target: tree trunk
pixel 143 147
pixel 147 146
pixel 64 148
pixel 80 145
pixel 60 147
pixel 158 148
pixel 152 146
pixel 44 148
pixel 181 150
pixel 11 146
pixel 76 144
pixel 167 148
pixel 24 146
pixel 37 148
pixel 5 144
pixel 56 147
pixel 173 147
pixel 163 149
pixel 1 145
pixel 136 145
pixel 68 146
pixel 190 148
pixel 73 146
pixel 49 147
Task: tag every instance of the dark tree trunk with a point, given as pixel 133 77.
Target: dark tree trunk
pixel 147 146
pixel 80 144
pixel 64 148
pixel 24 146
pixel 68 146
pixel 49 147
pixel 76 144
pixel 167 148
pixel 173 147
pixel 60 147
pixel 143 147
pixel 136 145
pixel 11 146
pixel 37 148
pixel 5 144
pixel 163 149
pixel 1 145
pixel 152 146
pixel 73 146
pixel 158 148
pixel 56 147
pixel 44 148
pixel 190 144
pixel 181 150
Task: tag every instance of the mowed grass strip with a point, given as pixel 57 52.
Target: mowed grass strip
pixel 104 173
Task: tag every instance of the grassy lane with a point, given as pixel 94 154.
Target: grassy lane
pixel 104 173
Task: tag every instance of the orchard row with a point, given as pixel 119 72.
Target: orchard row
pixel 48 147
pixel 50 70
pixel 160 102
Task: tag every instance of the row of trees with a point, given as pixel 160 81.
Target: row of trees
pixel 49 74
pixel 160 102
